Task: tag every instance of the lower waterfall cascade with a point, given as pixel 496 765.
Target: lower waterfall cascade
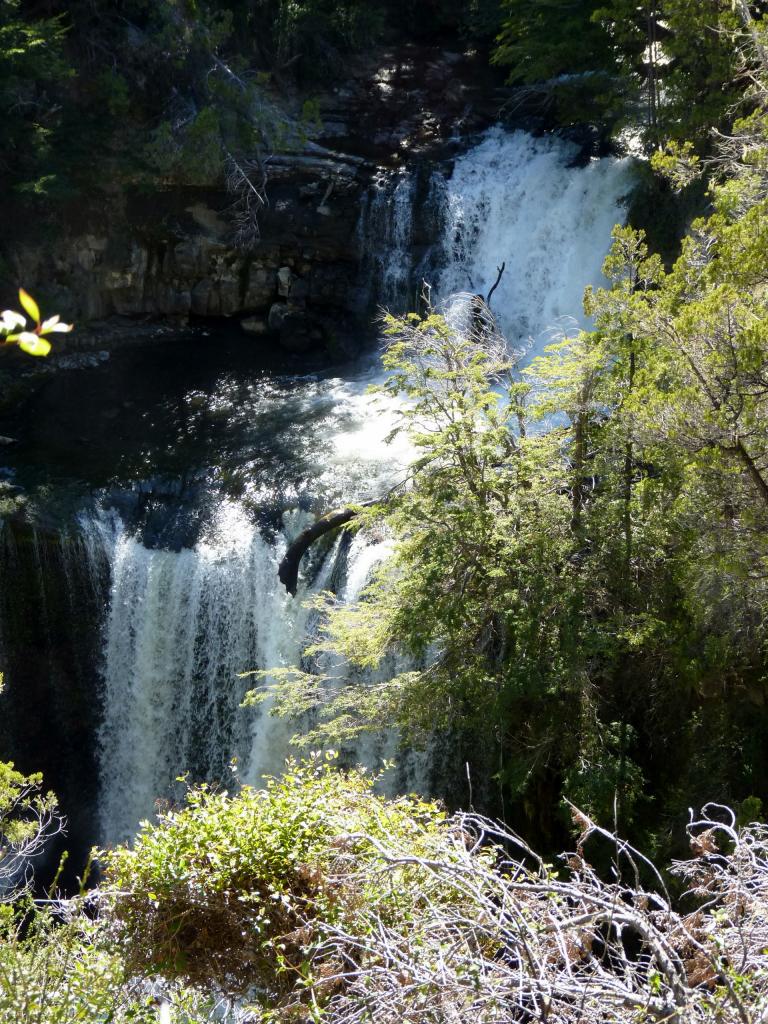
pixel 183 622
pixel 181 627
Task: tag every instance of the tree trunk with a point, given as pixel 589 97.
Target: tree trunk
pixel 739 449
pixel 652 91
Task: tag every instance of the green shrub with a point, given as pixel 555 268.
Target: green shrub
pixel 238 891
pixel 51 973
pixel 57 966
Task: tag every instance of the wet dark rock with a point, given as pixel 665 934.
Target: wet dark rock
pixel 284 279
pixel 277 314
pixel 261 289
pixel 299 290
pixel 297 333
pixel 589 138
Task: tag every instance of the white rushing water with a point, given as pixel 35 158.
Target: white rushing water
pixel 513 199
pixel 181 625
pixel 181 628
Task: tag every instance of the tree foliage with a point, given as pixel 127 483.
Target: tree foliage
pixel 32 68
pixel 584 541
pixel 28 819
pixel 170 90
pixel 669 67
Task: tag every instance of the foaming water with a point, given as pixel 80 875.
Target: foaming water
pixel 368 451
pixel 513 199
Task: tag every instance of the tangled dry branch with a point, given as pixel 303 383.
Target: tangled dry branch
pixel 510 939
pixel 247 182
pixel 27 825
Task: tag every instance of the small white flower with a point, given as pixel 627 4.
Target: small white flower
pixel 10 320
pixel 54 324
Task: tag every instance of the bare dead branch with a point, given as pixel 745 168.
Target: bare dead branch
pixel 499 274
pixel 498 936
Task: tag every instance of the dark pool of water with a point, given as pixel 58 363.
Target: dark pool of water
pixel 175 420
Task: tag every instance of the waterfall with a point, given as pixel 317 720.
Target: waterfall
pixel 386 227
pixel 182 625
pixel 514 199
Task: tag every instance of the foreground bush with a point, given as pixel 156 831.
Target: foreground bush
pixel 57 966
pixel 29 818
pixel 52 972
pixel 242 891
pixel 316 898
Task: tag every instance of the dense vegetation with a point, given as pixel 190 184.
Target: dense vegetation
pixel 174 89
pixel 580 568
pixel 669 67
pixel 169 89
pixel 583 542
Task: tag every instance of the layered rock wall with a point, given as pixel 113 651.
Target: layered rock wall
pixel 169 252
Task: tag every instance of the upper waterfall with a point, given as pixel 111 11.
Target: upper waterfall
pixel 514 199
pixel 386 227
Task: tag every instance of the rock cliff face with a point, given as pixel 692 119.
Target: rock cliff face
pixel 169 253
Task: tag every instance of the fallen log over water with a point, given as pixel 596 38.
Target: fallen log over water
pixel 288 570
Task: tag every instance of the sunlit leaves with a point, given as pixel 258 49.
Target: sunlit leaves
pixel 33 342
pixel 29 305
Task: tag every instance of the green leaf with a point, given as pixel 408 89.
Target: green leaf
pixel 29 305
pixel 33 345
